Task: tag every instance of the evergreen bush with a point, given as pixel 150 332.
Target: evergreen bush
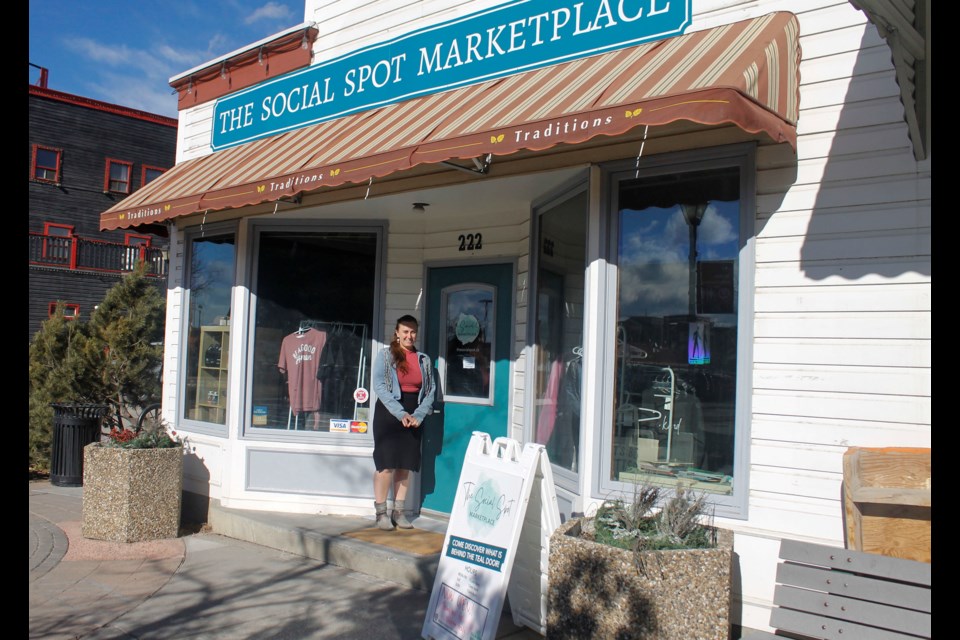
pixel 56 374
pixel 113 359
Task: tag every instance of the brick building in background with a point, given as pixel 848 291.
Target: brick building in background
pixel 85 155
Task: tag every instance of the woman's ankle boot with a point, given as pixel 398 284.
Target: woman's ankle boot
pixel 383 520
pixel 399 518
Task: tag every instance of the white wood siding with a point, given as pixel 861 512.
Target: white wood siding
pixel 842 339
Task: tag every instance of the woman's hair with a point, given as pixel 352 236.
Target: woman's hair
pixel 399 353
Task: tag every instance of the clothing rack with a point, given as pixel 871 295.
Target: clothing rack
pixel 334 328
pixel 331 327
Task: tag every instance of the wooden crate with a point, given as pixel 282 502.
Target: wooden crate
pixel 886 500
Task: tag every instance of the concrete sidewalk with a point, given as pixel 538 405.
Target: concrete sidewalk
pixel 274 576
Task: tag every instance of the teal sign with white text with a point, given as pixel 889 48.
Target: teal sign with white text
pixel 506 39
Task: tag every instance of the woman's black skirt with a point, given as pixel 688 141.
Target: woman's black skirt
pixel 395 446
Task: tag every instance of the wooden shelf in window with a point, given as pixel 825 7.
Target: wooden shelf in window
pixel 212 378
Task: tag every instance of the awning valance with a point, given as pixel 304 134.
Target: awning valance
pixel 745 73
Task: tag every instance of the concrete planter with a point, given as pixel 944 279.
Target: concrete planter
pixel 131 495
pixel 599 591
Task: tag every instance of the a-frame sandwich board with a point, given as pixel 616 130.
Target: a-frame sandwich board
pixel 480 547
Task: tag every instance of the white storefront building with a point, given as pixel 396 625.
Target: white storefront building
pixel 681 242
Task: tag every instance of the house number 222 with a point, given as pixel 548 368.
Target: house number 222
pixel 471 242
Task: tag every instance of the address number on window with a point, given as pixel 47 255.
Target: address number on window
pixel 471 242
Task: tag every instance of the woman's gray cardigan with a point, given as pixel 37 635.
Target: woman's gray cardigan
pixel 386 385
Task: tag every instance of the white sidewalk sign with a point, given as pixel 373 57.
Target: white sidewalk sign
pixel 528 584
pixel 481 544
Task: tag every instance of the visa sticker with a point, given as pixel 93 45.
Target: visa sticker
pixel 340 425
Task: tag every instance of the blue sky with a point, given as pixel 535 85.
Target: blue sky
pixel 126 52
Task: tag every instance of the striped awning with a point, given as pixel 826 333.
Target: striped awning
pixel 745 73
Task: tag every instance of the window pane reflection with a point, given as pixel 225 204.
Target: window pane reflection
pixel 212 261
pixel 676 353
pixel 561 266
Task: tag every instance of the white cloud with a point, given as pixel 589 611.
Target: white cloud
pixel 111 55
pixel 715 229
pixel 654 290
pixel 179 57
pixel 219 44
pixel 154 64
pixel 269 11
pixel 136 92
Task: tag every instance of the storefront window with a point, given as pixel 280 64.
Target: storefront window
pixel 678 245
pixel 211 274
pixel 561 264
pixel 314 310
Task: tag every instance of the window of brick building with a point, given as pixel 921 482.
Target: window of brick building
pixel 71 310
pixel 46 164
pixel 149 174
pixel 117 176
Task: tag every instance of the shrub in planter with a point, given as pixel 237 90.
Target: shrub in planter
pixel 631 573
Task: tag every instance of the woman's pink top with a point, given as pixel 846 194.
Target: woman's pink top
pixel 412 380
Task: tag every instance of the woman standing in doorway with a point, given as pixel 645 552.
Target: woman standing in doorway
pixel 405 388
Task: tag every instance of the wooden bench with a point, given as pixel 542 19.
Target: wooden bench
pixel 833 593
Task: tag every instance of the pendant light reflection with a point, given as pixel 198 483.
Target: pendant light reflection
pixel 693 215
pixel 698 343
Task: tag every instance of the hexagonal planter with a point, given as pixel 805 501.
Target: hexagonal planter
pixel 599 591
pixel 131 495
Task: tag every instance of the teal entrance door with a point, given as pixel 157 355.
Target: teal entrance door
pixel 468 333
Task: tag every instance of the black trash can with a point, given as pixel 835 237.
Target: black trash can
pixel 74 427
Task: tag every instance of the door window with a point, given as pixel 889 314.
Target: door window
pixel 468 320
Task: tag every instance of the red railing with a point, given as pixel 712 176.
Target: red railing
pixel 87 254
